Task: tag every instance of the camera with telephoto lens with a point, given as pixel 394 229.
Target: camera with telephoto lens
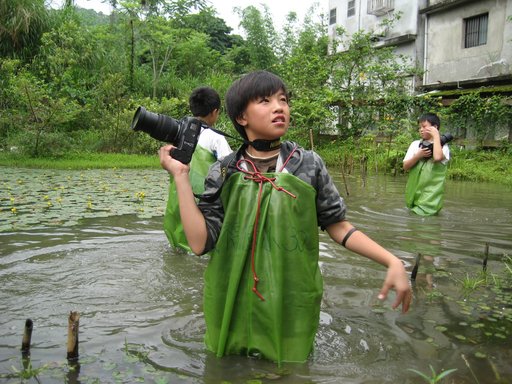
pixel 430 146
pixel 183 134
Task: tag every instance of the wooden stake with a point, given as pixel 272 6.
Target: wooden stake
pixel 486 257
pixel 344 179
pixel 73 325
pixel 27 336
pixel 311 139
pixel 363 169
pixel 416 266
pixel 397 162
pixel 375 146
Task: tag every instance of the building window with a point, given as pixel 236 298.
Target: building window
pixel 380 7
pixel 332 16
pixel 475 30
pixel 351 9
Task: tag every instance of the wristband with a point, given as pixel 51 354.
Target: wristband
pixel 349 233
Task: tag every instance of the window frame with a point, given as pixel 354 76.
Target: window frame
pixel 351 8
pixel 332 16
pixel 475 30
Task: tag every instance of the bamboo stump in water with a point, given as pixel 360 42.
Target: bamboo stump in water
pixel 486 257
pixel 416 266
pixel 344 179
pixel 73 325
pixel 27 336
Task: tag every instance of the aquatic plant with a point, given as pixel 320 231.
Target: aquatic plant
pixel 508 265
pixel 486 306
pixel 471 283
pixel 28 371
pixel 139 196
pixel 435 377
pixel 432 295
pixel 63 197
pixel 135 352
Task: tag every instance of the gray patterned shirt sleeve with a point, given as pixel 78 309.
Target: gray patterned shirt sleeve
pixel 211 206
pixel 330 206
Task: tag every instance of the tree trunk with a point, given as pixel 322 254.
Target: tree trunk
pixel 132 55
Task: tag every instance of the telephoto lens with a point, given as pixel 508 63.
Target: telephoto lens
pixel 156 125
pixel 446 138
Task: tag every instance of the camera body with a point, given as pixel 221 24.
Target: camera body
pixel 446 138
pixel 183 134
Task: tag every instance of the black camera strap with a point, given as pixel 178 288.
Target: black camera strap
pixel 259 144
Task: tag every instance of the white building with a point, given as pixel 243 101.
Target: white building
pixel 457 43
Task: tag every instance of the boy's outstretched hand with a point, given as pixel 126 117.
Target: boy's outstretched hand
pixel 396 278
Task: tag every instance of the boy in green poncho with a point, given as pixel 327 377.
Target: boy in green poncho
pixel 204 103
pixel 426 161
pixel 258 219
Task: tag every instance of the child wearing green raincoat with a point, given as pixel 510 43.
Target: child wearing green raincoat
pixel 204 103
pixel 258 219
pixel 426 161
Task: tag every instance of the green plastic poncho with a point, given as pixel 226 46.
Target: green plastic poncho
pixel 281 325
pixel 201 161
pixel 424 191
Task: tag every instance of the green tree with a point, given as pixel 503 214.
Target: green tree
pixel 69 60
pixel 112 106
pixel 305 68
pixel 206 22
pixel 164 8
pixel 158 42
pixel 39 117
pixel 238 57
pixel 366 80
pixel 194 57
pixel 22 22
pixel 139 11
pixel 260 35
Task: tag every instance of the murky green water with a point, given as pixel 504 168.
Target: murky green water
pixel 92 242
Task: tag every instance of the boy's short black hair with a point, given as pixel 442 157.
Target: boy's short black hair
pixel 203 101
pixel 432 118
pixel 248 88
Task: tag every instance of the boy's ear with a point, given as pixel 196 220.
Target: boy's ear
pixel 241 120
pixel 214 114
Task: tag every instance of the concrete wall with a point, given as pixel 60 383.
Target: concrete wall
pixel 448 60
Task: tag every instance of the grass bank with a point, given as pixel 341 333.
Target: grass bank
pixel 470 165
pixel 82 161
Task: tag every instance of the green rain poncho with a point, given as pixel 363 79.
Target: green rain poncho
pixel 201 161
pixel 424 191
pixel 276 317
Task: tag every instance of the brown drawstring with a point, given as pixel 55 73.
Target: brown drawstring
pixel 259 178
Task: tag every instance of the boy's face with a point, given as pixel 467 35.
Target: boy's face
pixel 426 129
pixel 266 118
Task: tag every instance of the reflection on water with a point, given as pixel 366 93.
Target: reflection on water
pixel 140 302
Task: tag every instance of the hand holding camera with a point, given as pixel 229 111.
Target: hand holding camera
pixel 446 138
